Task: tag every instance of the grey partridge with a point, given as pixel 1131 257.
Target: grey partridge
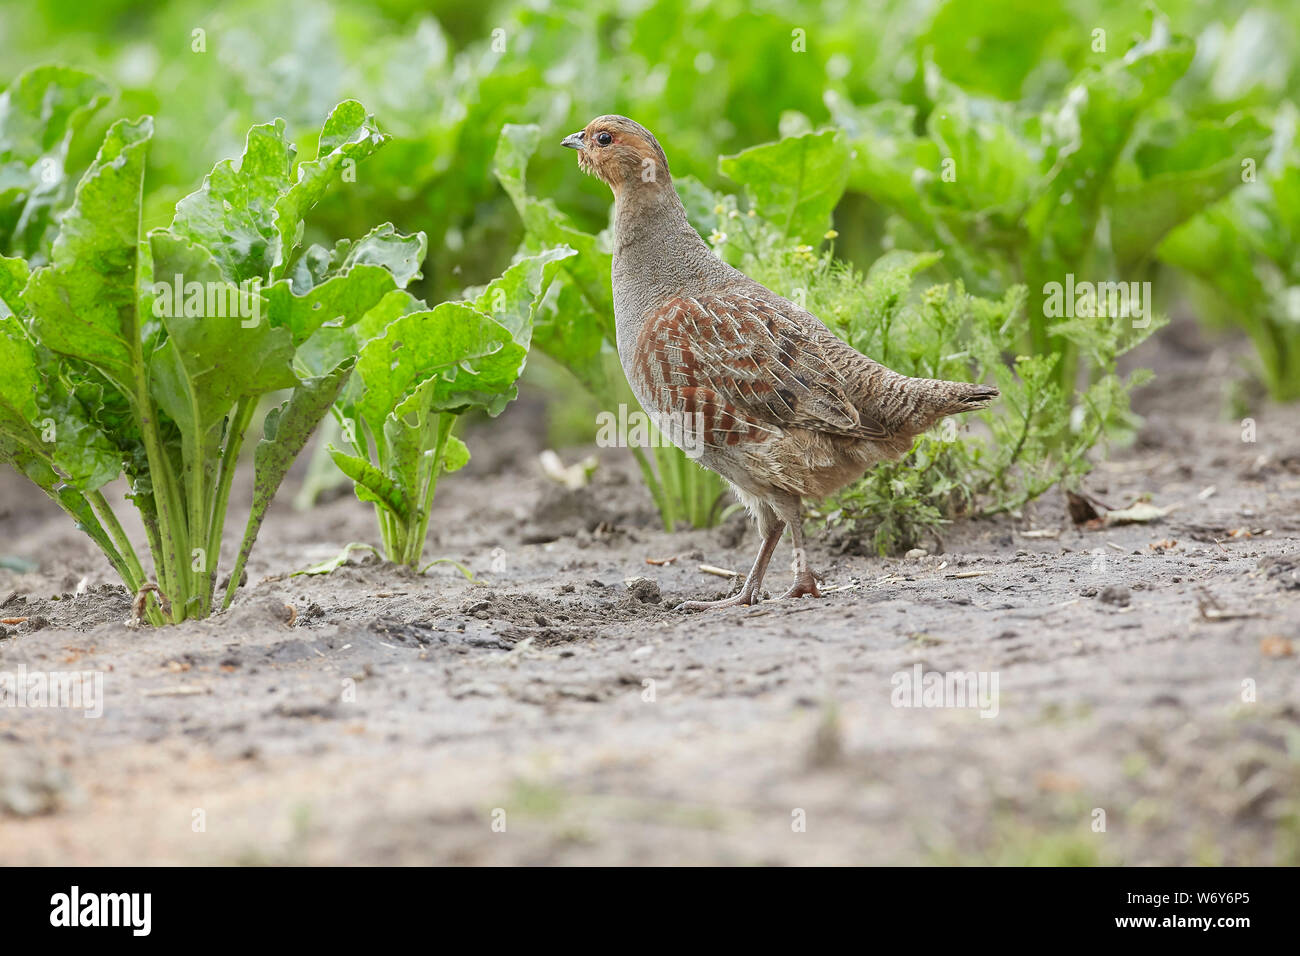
pixel 756 388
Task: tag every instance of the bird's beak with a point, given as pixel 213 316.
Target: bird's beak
pixel 573 140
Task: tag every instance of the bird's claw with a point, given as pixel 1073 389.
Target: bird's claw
pixel 743 599
pixel 804 587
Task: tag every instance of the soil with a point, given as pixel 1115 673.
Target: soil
pixel 1148 704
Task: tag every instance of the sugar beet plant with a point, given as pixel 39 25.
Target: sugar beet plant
pixel 1098 183
pixel 418 370
pixel 147 354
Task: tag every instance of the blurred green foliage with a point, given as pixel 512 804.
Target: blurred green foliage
pixel 707 78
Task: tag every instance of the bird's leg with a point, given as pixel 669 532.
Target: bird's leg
pixel 770 526
pixel 805 580
pixel 748 593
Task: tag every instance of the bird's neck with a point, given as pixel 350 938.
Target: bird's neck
pixel 658 255
pixel 646 212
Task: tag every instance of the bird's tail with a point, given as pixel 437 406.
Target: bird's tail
pixel 953 398
pixel 970 397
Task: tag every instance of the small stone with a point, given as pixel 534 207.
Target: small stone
pixel 916 554
pixel 1117 595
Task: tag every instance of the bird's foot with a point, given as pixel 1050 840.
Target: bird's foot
pixel 742 599
pixel 805 585
pixel 805 578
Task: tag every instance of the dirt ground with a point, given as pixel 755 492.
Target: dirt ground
pixel 1147 709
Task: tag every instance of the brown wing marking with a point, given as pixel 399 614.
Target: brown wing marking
pixel 746 368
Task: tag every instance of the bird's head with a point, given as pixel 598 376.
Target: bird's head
pixel 621 153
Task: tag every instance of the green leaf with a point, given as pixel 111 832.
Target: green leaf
pixel 405 439
pixel 795 182
pixel 348 136
pixel 219 347
pixel 383 246
pixel 990 48
pixel 571 331
pixel 288 426
pixel 371 483
pixel 40 112
pixel 39 414
pixel 84 304
pixel 994 152
pixel 459 356
pixel 20 382
pixel 338 301
pixel 455 455
pixel 1087 133
pixel 43 107
pixel 512 299
pixel 285 432
pixel 68 497
pixel 1182 173
pixel 886 153
pixel 1244 249
pixel 287 429
pixel 466 573
pixel 233 215
pixel 331 565
pixel 13 277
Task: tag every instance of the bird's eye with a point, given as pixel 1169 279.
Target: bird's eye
pixel 604 139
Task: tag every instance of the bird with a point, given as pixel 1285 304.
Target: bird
pixel 745 381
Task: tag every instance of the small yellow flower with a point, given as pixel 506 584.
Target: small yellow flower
pixel 717 238
pixel 751 214
pixel 831 234
pixel 719 209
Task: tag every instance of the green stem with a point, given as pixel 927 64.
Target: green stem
pixel 245 548
pixel 1032 491
pixel 242 417
pixel 194 457
pixel 135 578
pixel 670 480
pixel 168 504
pixel 100 537
pixel 391 531
pixel 656 489
pixel 415 541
